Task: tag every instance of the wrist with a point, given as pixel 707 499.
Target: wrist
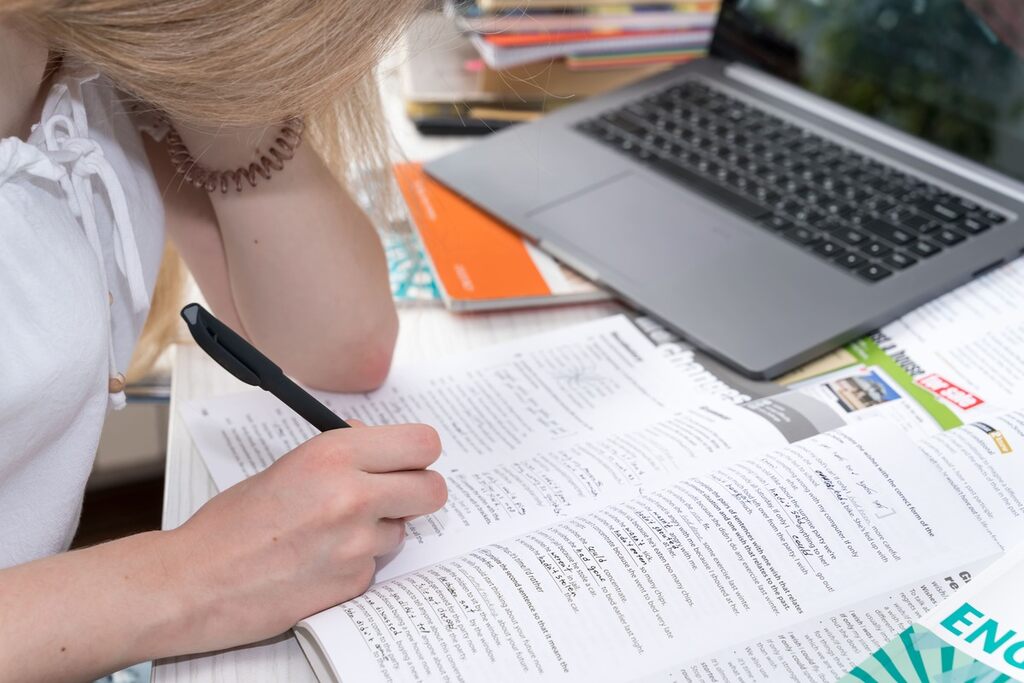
pixel 164 590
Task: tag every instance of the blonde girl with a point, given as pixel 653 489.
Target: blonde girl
pixel 252 112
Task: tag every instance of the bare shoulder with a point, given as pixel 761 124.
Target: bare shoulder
pixel 22 70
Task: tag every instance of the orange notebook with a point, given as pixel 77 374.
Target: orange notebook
pixel 478 263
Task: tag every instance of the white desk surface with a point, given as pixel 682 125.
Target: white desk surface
pixel 426 333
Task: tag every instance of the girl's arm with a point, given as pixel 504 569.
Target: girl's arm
pixel 293 263
pixel 291 541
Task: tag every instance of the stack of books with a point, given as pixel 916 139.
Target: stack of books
pixel 486 64
pixel 586 34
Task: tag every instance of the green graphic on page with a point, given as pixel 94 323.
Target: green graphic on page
pixel 917 655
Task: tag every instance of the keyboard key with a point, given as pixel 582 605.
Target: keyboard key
pixel 880 204
pixel 625 123
pixel 898 215
pixel 777 223
pixel 949 237
pixel 993 217
pixel 879 183
pixel 830 248
pixel 851 261
pixel 836 207
pixel 966 205
pixel 832 224
pixel 738 181
pixel 889 232
pixel 766 195
pixel 899 260
pixel 858 218
pixel 790 207
pixel 851 236
pixel 924 248
pixel 874 272
pixel 801 235
pixel 840 188
pixel 812 196
pixel 973 225
pixel 809 214
pixel 923 188
pixel 875 249
pixel 940 210
pixel 788 183
pixel 858 194
pixel 915 222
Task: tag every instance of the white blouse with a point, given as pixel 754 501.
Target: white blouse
pixel 81 236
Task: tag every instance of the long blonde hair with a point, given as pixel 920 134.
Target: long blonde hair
pixel 236 63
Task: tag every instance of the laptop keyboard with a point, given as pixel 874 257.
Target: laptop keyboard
pixel 858 213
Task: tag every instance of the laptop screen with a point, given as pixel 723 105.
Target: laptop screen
pixel 948 71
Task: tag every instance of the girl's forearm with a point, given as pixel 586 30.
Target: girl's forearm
pixel 83 614
pixel 307 270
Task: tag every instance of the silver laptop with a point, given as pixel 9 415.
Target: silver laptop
pixel 829 167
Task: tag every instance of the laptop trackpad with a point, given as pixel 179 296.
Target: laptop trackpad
pixel 637 227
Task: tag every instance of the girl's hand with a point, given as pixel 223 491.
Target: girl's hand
pixel 302 535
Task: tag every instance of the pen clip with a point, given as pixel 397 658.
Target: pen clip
pixel 207 339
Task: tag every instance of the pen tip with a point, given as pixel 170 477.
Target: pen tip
pixel 191 313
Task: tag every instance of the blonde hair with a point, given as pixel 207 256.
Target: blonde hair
pixel 238 63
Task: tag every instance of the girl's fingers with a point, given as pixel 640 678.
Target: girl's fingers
pixel 389 535
pixel 407 494
pixel 389 448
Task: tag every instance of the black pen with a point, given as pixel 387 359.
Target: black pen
pixel 242 360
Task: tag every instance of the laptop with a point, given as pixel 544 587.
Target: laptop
pixel 830 166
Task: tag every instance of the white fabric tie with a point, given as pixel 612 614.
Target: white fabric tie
pixel 68 144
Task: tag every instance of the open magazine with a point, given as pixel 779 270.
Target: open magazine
pixel 956 358
pixel 618 512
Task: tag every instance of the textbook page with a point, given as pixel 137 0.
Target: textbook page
pixel 514 491
pixel 633 589
pixel 520 395
pixel 965 347
pixel 825 649
pixel 984 472
pixel 523 491
pixel 977 635
pixel 953 360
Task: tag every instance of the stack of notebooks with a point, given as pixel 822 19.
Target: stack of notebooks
pixel 486 64
pixel 587 34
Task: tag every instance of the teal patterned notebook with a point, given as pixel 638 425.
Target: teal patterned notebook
pixel 408 270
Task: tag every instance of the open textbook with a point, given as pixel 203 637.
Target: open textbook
pixel 615 514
